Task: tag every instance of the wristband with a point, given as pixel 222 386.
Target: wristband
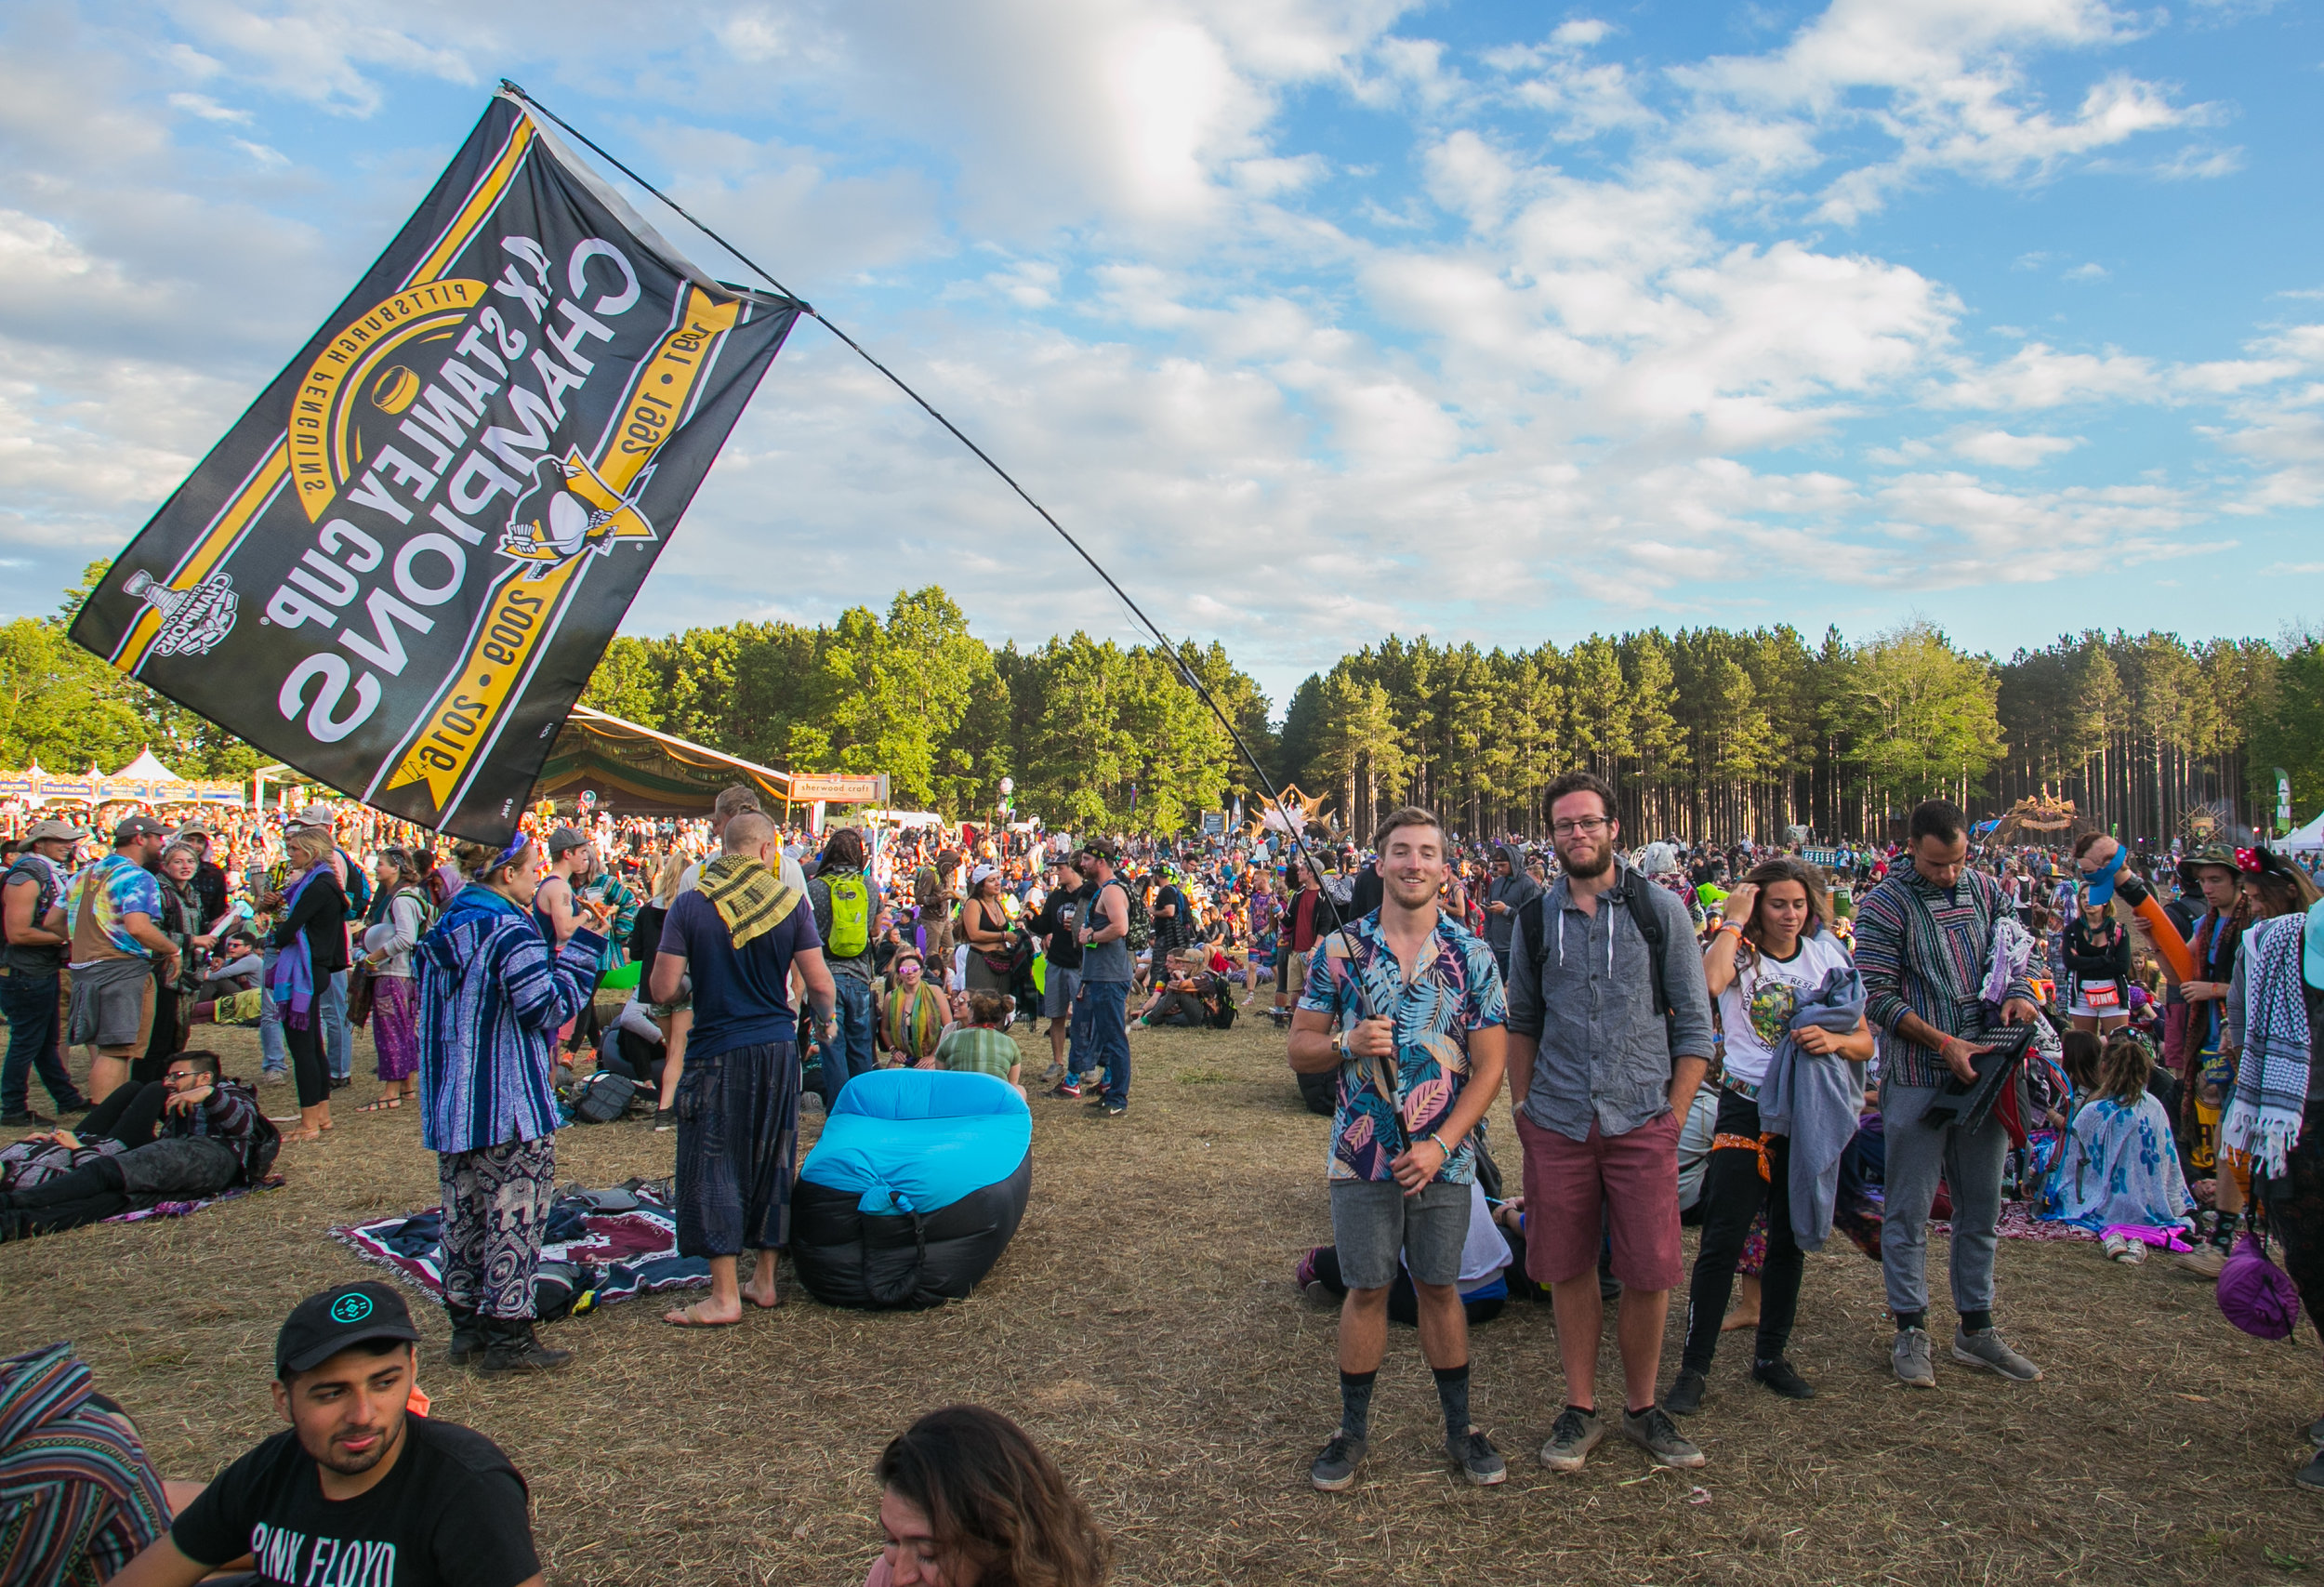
pixel 1727 927
pixel 1440 1144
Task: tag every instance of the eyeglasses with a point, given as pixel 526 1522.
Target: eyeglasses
pixel 1586 826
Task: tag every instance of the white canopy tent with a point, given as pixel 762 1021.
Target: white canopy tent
pixel 2307 840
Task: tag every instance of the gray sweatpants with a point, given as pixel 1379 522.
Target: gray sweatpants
pixel 1971 1163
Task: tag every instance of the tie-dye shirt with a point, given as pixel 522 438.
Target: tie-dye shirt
pixel 1457 989
pixel 114 888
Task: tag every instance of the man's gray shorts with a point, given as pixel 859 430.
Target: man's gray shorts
pixel 1058 988
pixel 112 1004
pixel 1371 1221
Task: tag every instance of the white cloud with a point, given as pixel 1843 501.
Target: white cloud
pixel 1572 332
pixel 2088 271
pixel 208 109
pixel 2002 450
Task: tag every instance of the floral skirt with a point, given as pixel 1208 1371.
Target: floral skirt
pixel 395 1027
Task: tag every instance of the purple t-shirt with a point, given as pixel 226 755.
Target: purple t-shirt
pixel 741 1000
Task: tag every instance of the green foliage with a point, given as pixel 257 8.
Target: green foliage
pixel 1097 736
pixel 2289 729
pixel 66 709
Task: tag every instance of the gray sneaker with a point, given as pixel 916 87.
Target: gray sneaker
pixel 1910 1358
pixel 1334 1468
pixel 1475 1454
pixel 1652 1431
pixel 1983 1348
pixel 1572 1436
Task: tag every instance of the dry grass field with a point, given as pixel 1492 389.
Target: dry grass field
pixel 1145 1329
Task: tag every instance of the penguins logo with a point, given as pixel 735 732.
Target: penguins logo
pixel 571 509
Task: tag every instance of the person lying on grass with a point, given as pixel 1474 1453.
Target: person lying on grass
pixel 189 1135
pixel 363 1487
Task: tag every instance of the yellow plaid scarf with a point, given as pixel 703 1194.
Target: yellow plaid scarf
pixel 751 899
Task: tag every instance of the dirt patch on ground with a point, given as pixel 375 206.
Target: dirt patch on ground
pixel 1144 1328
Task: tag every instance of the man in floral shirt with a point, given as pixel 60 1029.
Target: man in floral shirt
pixel 1407 1006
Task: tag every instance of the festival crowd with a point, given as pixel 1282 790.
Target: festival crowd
pixel 1731 1037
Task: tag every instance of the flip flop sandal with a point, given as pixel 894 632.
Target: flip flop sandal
pixel 381 1104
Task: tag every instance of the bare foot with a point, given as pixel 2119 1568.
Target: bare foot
pixel 1736 1319
pixel 703 1314
pixel 295 1135
pixel 765 1297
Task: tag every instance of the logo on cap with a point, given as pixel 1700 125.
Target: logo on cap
pixel 351 1307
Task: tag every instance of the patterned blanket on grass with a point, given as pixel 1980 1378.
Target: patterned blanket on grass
pixel 181 1208
pixel 600 1249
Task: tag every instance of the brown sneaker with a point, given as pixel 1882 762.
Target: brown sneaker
pixel 2204 1261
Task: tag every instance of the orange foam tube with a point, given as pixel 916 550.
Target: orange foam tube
pixel 2166 938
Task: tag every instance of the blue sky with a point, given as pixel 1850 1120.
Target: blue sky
pixel 1500 322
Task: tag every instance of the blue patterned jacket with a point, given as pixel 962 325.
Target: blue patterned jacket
pixel 492 996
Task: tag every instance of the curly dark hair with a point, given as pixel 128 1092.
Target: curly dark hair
pixel 994 1501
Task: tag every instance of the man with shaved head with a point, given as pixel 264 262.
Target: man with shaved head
pixel 739 932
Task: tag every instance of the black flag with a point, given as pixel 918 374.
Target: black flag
pixel 397 572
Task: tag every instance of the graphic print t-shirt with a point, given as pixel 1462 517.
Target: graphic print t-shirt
pixel 452 1512
pixel 1756 1008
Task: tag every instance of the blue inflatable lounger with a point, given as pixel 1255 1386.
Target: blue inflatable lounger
pixel 914 1190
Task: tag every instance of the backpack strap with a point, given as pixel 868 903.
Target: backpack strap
pixel 1531 917
pixel 1649 924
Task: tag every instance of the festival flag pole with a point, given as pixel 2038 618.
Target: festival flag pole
pixel 1186 673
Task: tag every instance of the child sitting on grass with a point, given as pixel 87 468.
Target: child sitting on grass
pixel 2120 1164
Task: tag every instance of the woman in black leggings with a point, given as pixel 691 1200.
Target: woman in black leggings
pixel 316 918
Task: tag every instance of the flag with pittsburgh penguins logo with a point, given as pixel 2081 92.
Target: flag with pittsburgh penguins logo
pixel 397 572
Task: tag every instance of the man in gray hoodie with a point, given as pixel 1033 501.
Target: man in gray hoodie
pixel 1510 890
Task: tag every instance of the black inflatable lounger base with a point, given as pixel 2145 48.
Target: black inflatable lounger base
pixel 891 1262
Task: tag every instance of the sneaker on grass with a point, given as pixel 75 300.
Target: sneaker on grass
pixel 1910 1356
pixel 1572 1436
pixel 1780 1376
pixel 1473 1454
pixel 2204 1262
pixel 1685 1395
pixel 1983 1348
pixel 1652 1431
pixel 1334 1468
pixel 2311 1476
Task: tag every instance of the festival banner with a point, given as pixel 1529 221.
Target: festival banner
pixel 397 572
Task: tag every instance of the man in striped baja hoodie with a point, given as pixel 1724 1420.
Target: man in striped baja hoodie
pixel 493 995
pixel 1924 942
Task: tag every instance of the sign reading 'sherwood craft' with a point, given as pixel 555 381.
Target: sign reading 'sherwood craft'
pixel 398 570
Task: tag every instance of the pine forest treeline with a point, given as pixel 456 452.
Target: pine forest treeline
pixel 1709 732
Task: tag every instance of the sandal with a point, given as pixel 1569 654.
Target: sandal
pixel 383 1104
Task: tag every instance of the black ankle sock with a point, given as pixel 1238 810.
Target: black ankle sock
pixel 1640 1410
pixel 1355 1403
pixel 1582 1409
pixel 1911 1319
pixel 1975 1322
pixel 1452 1392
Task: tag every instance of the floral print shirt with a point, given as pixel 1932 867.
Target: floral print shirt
pixel 1457 989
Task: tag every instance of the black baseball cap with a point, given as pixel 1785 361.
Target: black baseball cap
pixel 322 1326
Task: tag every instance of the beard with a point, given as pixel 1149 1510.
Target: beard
pixel 1590 865
pixel 347 1463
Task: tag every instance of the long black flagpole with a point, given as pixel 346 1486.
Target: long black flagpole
pixel 1192 679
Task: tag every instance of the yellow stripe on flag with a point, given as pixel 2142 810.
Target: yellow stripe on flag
pixel 222 536
pixel 525 612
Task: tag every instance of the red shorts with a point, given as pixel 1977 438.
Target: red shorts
pixel 1576 1192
